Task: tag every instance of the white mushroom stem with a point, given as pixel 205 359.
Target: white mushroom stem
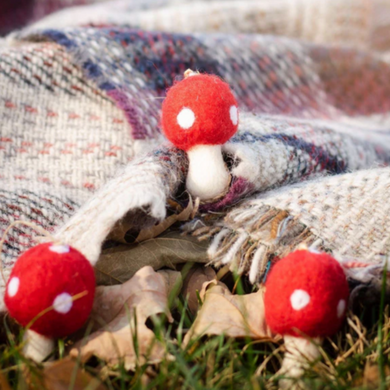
pixel 300 352
pixel 208 176
pixel 36 346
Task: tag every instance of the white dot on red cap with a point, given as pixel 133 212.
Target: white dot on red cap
pixel 63 303
pixel 233 115
pixel 59 248
pixel 341 308
pixel 13 286
pixel 186 118
pixel 299 299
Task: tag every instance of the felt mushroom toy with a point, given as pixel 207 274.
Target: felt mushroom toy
pixel 305 300
pixel 51 290
pixel 199 114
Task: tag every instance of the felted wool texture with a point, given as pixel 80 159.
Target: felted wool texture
pixel 359 23
pixel 15 14
pixel 151 180
pixel 120 61
pixel 268 150
pixel 210 101
pixel 69 121
pixel 208 176
pixel 61 138
pixel 263 159
pixel 145 184
pixel 302 87
pixel 347 215
pixel 318 275
pixel 332 102
pixel 44 275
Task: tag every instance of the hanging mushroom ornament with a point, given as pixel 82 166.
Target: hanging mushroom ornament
pixel 305 300
pixel 199 115
pixel 51 290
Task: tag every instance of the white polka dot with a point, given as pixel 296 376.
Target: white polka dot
pixel 341 308
pixel 63 303
pixel 13 286
pixel 233 115
pixel 59 248
pixel 186 118
pixel 299 299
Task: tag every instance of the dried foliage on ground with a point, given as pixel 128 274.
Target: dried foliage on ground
pixel 188 326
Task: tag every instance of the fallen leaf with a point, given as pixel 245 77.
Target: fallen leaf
pixel 125 310
pixel 156 230
pixel 146 226
pixel 193 282
pixel 110 300
pixel 119 264
pixel 62 374
pixel 4 385
pixel 371 376
pixel 173 280
pixel 131 224
pixel 232 315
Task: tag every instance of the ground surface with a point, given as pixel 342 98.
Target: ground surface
pixel 356 358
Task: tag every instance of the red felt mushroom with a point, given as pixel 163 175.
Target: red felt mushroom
pixel 199 114
pixel 51 289
pixel 305 300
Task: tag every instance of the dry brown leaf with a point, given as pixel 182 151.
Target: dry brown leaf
pixel 371 378
pixel 232 315
pixel 156 230
pixel 149 229
pixel 125 309
pixel 130 225
pixel 193 282
pixel 119 264
pixel 173 280
pixel 4 385
pixel 62 375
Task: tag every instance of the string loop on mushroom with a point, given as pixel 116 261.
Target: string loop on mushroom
pixel 199 115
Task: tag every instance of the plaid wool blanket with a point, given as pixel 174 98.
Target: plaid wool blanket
pixel 81 144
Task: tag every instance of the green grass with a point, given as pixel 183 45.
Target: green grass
pixel 223 363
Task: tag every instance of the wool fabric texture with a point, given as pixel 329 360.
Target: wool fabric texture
pixel 208 101
pixel 338 213
pixel 49 276
pixel 80 106
pixel 359 24
pixel 306 294
pixel 15 14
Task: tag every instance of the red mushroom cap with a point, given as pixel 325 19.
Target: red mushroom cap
pixel 306 294
pixel 199 110
pixel 49 275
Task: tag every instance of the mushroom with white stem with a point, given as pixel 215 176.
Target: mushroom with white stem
pixel 50 291
pixel 305 300
pixel 199 114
